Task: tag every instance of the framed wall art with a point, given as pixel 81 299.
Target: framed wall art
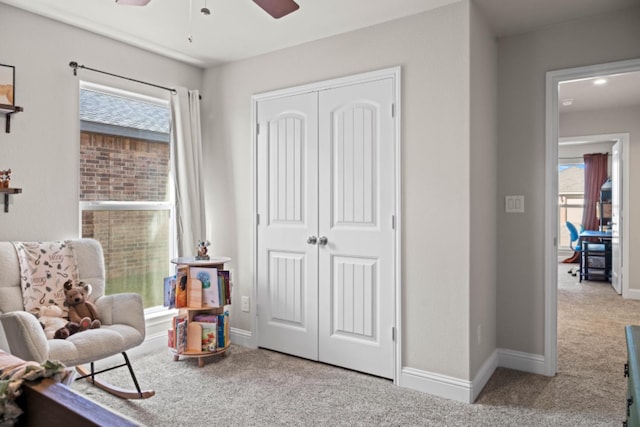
pixel 7 84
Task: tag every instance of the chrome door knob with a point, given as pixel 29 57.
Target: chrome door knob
pixel 323 241
pixel 312 240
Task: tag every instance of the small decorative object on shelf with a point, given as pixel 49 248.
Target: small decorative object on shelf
pixel 5 178
pixel 202 250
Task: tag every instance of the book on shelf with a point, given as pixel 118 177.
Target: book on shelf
pixel 209 278
pixel 171 341
pixel 223 330
pixel 208 336
pixel 182 279
pixel 226 286
pixel 170 292
pixel 180 329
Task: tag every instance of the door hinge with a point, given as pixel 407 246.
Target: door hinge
pixel 257 128
pixel 257 310
pixel 393 222
pixel 257 219
pixel 393 110
pixel 555 241
pixel 393 333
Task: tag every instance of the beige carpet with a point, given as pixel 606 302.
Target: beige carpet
pixel 265 388
pixel 591 356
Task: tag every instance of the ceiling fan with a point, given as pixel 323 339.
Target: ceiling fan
pixel 275 8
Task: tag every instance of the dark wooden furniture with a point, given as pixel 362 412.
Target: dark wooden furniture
pixel 52 404
pixel 595 256
pixel 632 372
pixel 45 402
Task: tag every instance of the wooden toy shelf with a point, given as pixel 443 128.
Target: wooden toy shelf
pixel 214 262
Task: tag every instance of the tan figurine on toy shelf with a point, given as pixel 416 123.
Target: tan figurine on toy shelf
pixel 202 249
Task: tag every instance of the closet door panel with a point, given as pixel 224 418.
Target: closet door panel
pixel 288 216
pixel 356 192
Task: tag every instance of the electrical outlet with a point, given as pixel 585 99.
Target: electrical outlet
pixel 244 304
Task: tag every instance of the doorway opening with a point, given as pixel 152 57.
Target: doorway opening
pixel 553 134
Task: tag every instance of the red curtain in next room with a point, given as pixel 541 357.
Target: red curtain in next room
pixel 595 174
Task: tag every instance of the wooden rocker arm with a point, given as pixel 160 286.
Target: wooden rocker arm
pixel 25 336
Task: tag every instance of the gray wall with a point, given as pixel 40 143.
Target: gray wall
pixel 522 63
pixel 43 146
pixel 483 186
pixel 437 168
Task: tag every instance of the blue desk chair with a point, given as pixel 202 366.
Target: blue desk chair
pixel 574 237
pixel 573 231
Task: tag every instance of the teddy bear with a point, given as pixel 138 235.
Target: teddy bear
pixel 83 314
pixel 50 317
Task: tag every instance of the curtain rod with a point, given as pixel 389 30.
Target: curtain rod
pixel 75 67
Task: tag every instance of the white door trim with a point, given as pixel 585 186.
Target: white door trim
pixel 553 78
pixel 395 74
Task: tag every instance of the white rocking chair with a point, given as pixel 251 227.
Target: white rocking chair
pixel 122 317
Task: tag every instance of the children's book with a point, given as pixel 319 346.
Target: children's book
pixel 182 278
pixel 170 291
pixel 209 278
pixel 209 336
pixel 180 327
pixel 226 287
pixel 223 330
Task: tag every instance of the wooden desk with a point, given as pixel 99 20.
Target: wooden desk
pixel 595 257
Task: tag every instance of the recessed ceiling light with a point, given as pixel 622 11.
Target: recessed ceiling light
pixel 600 82
pixel 567 102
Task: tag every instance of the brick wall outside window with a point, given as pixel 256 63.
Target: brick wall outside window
pixel 135 243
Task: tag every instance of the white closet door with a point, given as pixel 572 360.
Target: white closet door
pixel 288 208
pixel 356 208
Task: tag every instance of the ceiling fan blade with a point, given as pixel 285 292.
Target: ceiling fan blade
pixel 278 8
pixel 133 2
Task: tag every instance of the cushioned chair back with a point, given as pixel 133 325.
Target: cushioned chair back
pixel 88 254
pixel 573 231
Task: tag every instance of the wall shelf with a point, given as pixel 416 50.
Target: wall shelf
pixel 6 192
pixel 9 110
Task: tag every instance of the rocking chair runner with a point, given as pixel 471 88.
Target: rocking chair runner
pixel 122 316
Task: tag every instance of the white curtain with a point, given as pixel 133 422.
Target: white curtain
pixel 187 170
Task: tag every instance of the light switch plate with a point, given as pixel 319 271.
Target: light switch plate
pixel 244 305
pixel 514 204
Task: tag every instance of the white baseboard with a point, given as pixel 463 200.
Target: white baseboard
pixel 449 387
pixel 632 294
pixel 242 337
pixel 520 361
pixel 484 374
pixel 436 384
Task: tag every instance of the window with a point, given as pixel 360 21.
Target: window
pixel 570 199
pixel 125 197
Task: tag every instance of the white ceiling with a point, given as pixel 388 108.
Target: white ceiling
pixel 238 29
pixel 621 90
